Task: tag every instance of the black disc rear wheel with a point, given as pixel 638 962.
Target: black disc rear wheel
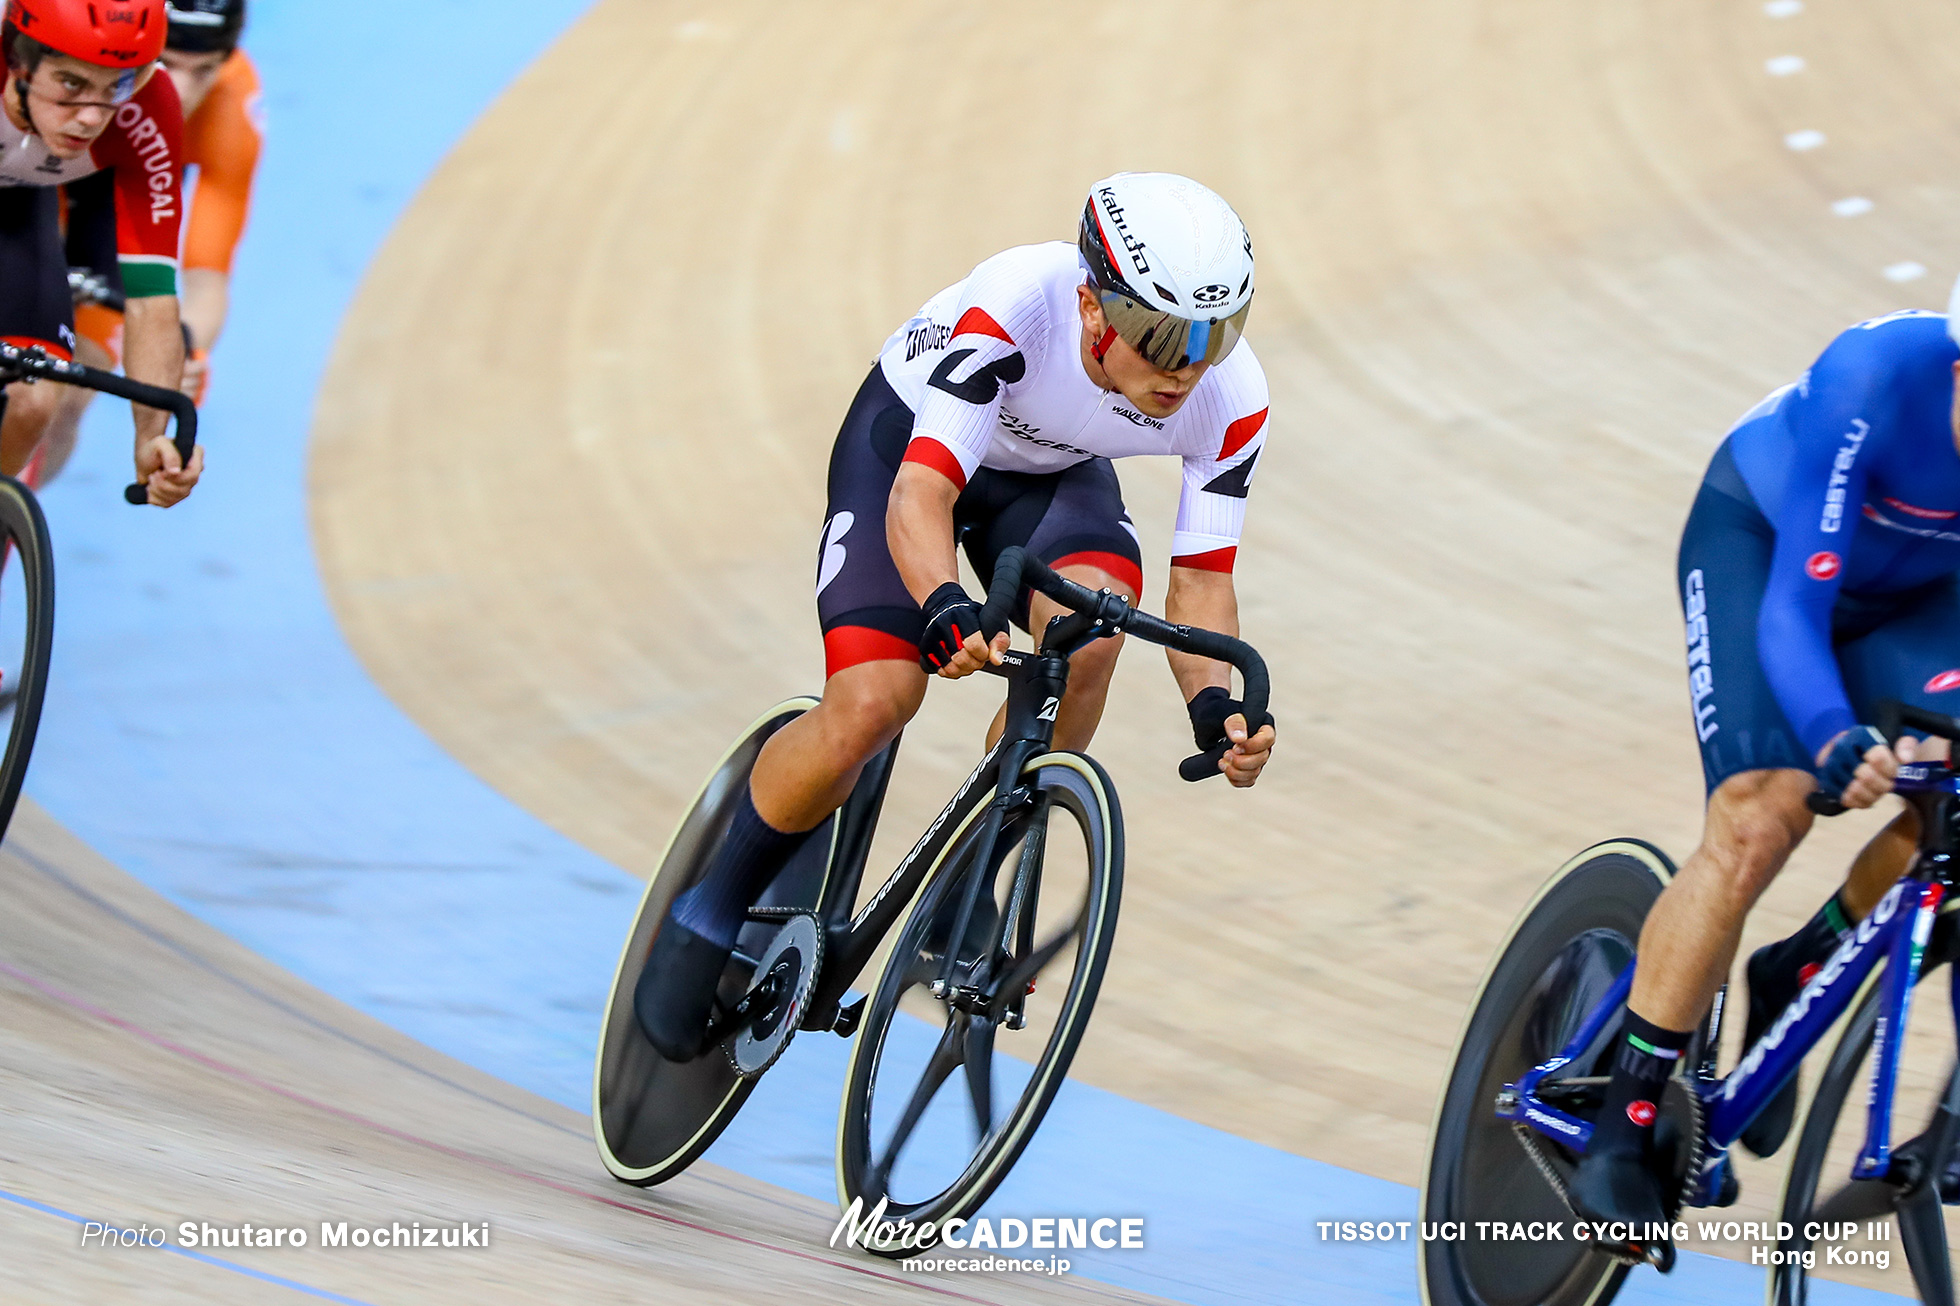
pixel 1562 956
pixel 652 1117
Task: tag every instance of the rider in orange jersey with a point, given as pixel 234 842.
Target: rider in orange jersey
pixel 219 88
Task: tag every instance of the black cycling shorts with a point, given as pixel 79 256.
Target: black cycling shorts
pixel 1903 645
pixel 1074 516
pixel 35 255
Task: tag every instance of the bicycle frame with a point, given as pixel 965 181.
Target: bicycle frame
pixel 1895 934
pixel 1036 683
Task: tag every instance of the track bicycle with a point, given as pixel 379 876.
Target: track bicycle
pixel 1533 1061
pixel 1009 903
pixel 27 623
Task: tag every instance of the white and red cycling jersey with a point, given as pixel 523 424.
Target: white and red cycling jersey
pixel 144 147
pixel 992 370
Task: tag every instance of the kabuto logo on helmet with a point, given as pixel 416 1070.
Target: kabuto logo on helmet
pixel 1211 295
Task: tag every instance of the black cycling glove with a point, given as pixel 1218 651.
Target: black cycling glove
pixel 1842 762
pixel 951 615
pixel 1209 709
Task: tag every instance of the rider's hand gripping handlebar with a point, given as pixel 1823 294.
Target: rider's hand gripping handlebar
pixel 1894 718
pixel 1017 567
pixel 33 363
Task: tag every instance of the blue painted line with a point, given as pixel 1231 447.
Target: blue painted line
pixel 208 730
pixel 186 1252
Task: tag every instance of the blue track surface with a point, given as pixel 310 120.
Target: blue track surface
pixel 208 730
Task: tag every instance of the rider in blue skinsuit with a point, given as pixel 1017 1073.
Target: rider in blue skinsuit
pixel 1820 573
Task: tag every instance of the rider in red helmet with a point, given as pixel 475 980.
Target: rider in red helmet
pixel 80 98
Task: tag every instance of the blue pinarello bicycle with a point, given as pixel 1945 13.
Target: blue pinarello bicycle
pixel 1531 1069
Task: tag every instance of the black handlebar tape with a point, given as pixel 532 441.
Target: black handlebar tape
pixel 1823 804
pixel 1017 567
pixel 1202 766
pixel 998 610
pixel 175 402
pixel 1895 717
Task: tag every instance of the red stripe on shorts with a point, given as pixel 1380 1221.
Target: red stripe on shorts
pixel 847 646
pixel 28 342
pixel 1119 567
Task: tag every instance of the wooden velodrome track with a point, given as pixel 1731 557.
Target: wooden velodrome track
pixel 189 1079
pixel 1521 262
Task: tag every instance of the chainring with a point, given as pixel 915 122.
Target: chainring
pixel 785 977
pixel 1680 1115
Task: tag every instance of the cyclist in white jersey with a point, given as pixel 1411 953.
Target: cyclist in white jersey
pixel 991 419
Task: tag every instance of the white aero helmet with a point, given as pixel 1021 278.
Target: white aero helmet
pixel 1172 265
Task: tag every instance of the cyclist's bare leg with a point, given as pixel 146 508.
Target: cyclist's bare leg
pixel 1755 820
pixel 807 768
pixel 59 443
pixel 31 409
pixel 1089 670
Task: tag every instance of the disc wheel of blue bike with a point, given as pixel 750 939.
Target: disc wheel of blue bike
pixel 1562 956
pixel 1819 1190
pixel 942 1097
pixel 652 1117
pixel 26 633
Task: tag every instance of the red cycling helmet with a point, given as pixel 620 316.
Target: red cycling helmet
pixel 107 33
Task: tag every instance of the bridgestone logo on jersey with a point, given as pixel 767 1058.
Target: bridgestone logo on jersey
pixel 924 339
pixel 1841 475
pixel 1701 672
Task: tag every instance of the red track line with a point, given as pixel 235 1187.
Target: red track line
pixel 246 1076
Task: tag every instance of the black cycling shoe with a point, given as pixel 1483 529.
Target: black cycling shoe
pixel 676 992
pixel 1769 993
pixel 1618 1188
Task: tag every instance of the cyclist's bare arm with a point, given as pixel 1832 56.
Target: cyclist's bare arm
pixel 919 532
pixel 153 352
pixel 1208 599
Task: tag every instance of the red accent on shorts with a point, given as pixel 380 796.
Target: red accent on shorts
pixel 976 322
pixel 1808 973
pixel 847 646
pixel 1641 1112
pixel 28 342
pixel 1118 566
pixel 1239 434
pixel 1216 560
pixel 1930 514
pixel 929 452
pixel 1944 681
pixel 1822 566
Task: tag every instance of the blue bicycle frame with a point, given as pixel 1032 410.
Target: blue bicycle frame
pixel 1895 932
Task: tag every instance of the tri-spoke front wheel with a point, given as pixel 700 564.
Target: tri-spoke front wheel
pixel 947 1080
